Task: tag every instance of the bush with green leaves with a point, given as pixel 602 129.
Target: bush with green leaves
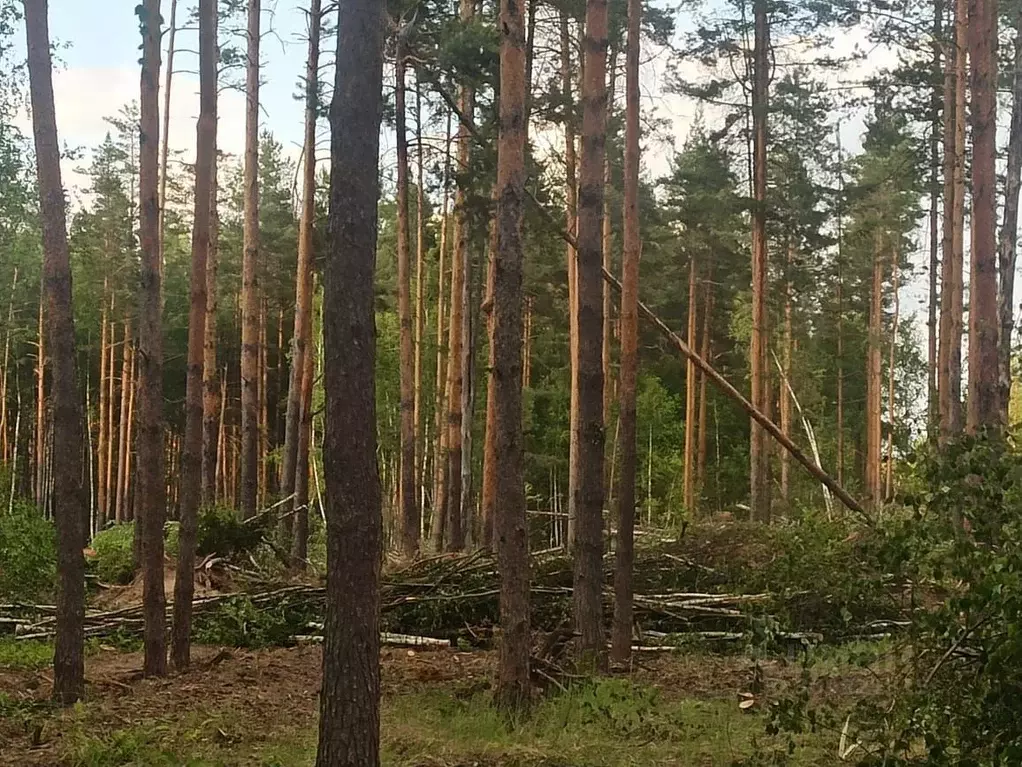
pixel 954 679
pixel 221 532
pixel 113 557
pixel 28 554
pixel 237 622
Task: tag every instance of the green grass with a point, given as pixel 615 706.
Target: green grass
pixel 26 655
pixel 608 724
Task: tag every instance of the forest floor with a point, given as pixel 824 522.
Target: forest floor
pixel 237 708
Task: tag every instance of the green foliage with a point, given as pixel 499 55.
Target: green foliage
pixel 114 559
pixel 239 623
pixel 28 554
pixel 221 532
pixel 27 654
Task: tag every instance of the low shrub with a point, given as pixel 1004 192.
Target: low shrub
pixel 237 622
pixel 113 552
pixel 28 555
pixel 221 532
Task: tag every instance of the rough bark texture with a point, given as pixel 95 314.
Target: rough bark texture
pixel 514 685
pixel 300 545
pixel 874 381
pixel 984 410
pixel 949 360
pixel 759 476
pixel 210 382
pixel 457 340
pixel 151 492
pixel 1007 247
pixel 302 336
pixel 249 276
pixel 349 731
pixel 588 491
pixel 71 505
pixel 621 644
pixel 410 522
pixel 571 226
pixel 191 453
pixel 608 249
pixel 933 304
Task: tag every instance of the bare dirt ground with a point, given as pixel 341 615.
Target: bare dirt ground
pixel 257 697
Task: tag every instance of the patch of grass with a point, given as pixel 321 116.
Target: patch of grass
pixel 29 654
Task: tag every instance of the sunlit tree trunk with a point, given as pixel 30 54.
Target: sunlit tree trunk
pixel 874 373
pixel 190 492
pixel 952 287
pixel 102 510
pixel 70 507
pixel 250 289
pixel 300 547
pixel 122 439
pixel 588 491
pixel 895 275
pixel 151 493
pixel 301 345
pixel 984 410
pixel 1007 246
pixel 459 283
pixel 759 452
pixel 621 642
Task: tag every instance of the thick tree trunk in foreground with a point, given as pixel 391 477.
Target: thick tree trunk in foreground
pixel 302 337
pixel 1007 245
pixel 250 290
pixel 151 493
pixel 70 508
pixel 588 492
pixel 191 454
pixel 409 518
pixel 349 730
pixel 984 410
pixel 514 686
pixel 621 644
pixel 759 452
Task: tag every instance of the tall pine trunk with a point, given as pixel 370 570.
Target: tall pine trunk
pixel 71 508
pixel 892 360
pixel 933 304
pixel 588 491
pixel 190 492
pixel 874 373
pixel 621 644
pixel 759 452
pixel 1007 246
pixel 349 730
pixel 165 151
pixel 410 522
pixel 571 225
pixel 420 303
pixel 952 283
pixel 301 346
pixel 250 290
pixel 122 439
pixel 788 342
pixel 514 685
pixel 690 390
pixel 439 517
pixel 456 344
pixel 984 410
pixel 102 510
pixel 151 488
pixel 300 546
